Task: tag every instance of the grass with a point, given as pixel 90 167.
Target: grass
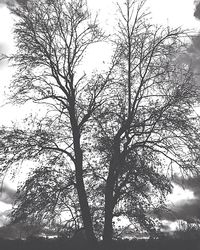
pixel 67 244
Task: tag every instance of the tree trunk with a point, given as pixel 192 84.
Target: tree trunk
pixel 109 193
pixel 85 210
pixel 82 196
pixel 108 227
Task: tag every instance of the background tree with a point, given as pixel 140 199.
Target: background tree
pixel 112 141
pixel 21 230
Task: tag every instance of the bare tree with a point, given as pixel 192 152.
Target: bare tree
pixel 150 127
pixel 52 38
pixel 115 137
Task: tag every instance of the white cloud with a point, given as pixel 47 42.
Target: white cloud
pixel 179 194
pixel 4 206
pixel 175 13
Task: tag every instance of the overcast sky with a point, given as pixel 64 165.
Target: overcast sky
pixel 167 12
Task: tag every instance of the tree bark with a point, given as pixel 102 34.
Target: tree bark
pixel 108 227
pixel 82 196
pixel 85 210
pixel 109 193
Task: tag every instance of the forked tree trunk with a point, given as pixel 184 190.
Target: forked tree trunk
pixel 82 196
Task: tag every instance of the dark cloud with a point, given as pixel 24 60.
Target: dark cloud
pixel 186 209
pixel 7 194
pixel 191 183
pixel 12 2
pixel 7 2
pixel 7 197
pixel 22 2
pixel 164 214
pixel 192 55
pixel 197 11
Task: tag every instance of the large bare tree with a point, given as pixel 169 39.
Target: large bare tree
pixel 150 128
pixel 52 38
